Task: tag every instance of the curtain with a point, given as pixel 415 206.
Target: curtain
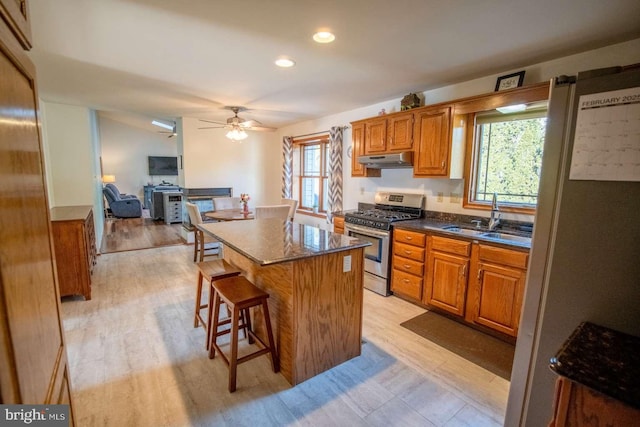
pixel 335 171
pixel 287 167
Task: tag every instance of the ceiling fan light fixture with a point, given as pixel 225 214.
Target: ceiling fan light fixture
pixel 285 62
pixel 324 37
pixel 237 134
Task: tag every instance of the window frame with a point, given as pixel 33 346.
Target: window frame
pixel 323 142
pixel 525 95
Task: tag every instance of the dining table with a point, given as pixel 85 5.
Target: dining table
pixel 230 215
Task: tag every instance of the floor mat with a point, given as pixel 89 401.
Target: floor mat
pixel 484 350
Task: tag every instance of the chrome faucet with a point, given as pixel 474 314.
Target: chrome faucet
pixel 495 213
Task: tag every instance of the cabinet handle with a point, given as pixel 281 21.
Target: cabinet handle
pixel 479 274
pixel 408 238
pixel 407 266
pixel 464 270
pixel 442 165
pixel 407 252
pixel 405 280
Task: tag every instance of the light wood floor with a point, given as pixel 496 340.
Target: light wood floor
pixel 136 360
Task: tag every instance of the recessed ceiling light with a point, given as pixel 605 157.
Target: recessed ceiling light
pixel 285 62
pixel 324 37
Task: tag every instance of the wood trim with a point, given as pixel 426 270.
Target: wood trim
pixel 471 106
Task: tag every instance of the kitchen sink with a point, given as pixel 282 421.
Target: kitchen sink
pixel 505 236
pixel 465 231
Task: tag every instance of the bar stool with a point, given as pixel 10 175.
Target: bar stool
pixel 212 271
pixel 239 294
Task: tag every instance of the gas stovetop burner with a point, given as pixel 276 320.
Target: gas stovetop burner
pixel 389 207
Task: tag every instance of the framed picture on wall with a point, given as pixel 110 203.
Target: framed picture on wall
pixel 510 81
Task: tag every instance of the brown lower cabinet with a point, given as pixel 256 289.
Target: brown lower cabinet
pixel 74 240
pixel 482 284
pixel 407 274
pixel 496 287
pixel 447 269
pixel 578 405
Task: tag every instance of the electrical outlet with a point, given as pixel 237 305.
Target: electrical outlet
pixel 440 196
pixel 361 191
pixel 454 198
pixel 346 264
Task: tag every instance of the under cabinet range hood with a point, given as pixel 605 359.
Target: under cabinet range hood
pixel 388 161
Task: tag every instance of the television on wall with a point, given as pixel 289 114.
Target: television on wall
pixel 163 165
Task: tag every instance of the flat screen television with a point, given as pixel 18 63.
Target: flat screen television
pixel 163 165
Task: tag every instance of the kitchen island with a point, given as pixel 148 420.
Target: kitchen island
pixel 315 282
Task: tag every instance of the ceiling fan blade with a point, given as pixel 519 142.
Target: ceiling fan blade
pixel 213 127
pixel 213 121
pixel 261 128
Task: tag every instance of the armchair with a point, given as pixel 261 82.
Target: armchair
pixel 122 205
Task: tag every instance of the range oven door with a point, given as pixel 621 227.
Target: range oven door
pixel 376 256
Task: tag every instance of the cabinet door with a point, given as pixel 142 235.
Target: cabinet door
pixel 376 136
pixel 446 282
pixel 338 225
pixel 406 284
pixel 31 335
pixel 17 18
pixel 357 139
pixel 433 139
pixel 496 297
pixel 400 132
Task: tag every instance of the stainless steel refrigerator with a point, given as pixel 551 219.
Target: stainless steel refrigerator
pixel 585 258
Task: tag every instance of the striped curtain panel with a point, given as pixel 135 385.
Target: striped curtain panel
pixel 287 167
pixel 335 171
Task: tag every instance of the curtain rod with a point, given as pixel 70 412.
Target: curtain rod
pixel 318 133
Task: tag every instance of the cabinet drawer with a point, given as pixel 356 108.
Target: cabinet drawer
pixel 410 237
pixel 408 265
pixel 503 256
pixel 406 284
pixel 452 246
pixel 408 251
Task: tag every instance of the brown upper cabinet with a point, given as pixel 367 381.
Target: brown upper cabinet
pixel 438 134
pixel 357 138
pixel 16 17
pixel 388 134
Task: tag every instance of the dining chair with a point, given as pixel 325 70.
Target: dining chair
pixel 293 205
pixel 274 211
pixel 200 238
pixel 220 203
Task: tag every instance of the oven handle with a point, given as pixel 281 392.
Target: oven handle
pixel 366 230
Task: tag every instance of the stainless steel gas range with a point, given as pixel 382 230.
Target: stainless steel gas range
pixel 374 225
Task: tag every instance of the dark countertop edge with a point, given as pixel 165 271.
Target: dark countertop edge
pixel 602 359
pixel 431 225
pixel 291 258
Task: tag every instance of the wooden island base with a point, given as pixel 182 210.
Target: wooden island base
pixel 315 309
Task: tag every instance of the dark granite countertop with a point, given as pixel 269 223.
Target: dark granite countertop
pixel 602 359
pixel 439 222
pixel 271 240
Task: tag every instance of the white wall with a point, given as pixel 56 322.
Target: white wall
pixel 362 189
pixel 125 149
pixel 70 149
pixel 252 166
pixel 69 154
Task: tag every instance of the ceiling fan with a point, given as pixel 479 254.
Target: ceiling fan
pixel 171 129
pixel 237 125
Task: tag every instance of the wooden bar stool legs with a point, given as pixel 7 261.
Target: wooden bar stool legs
pixel 239 295
pixel 212 271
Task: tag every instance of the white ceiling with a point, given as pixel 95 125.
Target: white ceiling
pixel 165 59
